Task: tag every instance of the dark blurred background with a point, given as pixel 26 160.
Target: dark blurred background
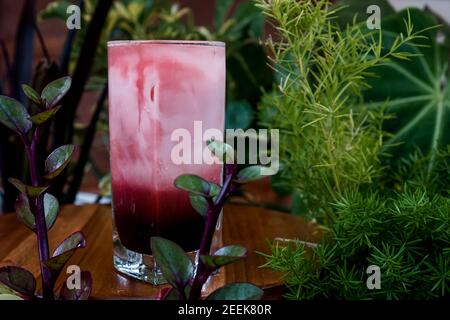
pixel 55 31
pixel 240 25
pixel 55 34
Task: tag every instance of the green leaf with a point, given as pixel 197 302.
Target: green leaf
pixel 43 117
pixel 417 91
pixel 4 289
pixel 358 8
pixel 193 184
pixel 199 203
pixel 58 160
pixel 64 252
pixel 215 190
pixel 238 115
pixel 30 191
pixel 249 174
pixel 223 7
pixel 221 150
pixel 224 256
pixel 23 211
pixel 234 250
pixel 249 21
pixel 51 209
pixel 55 10
pixel 55 91
pixel 6 296
pixel 31 94
pixel 237 291
pixel 18 279
pixel 78 294
pixel 175 265
pixel 14 115
pixel 173 294
pixel 75 241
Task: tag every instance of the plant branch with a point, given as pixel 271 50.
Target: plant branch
pixel 38 204
pixel 212 216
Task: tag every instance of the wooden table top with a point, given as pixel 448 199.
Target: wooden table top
pixel 250 226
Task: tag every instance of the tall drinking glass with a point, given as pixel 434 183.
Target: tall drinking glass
pixel 159 90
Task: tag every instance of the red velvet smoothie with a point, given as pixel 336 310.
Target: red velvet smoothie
pixel 154 89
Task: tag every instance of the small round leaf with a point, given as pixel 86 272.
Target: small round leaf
pixel 18 279
pixel 45 116
pixel 74 241
pixel 58 160
pixel 14 115
pixel 173 294
pixel 51 208
pixel 82 293
pixel 221 150
pixel 175 265
pixel 215 189
pixel 193 183
pixel 64 252
pixel 233 250
pixel 249 174
pixel 55 91
pixel 23 211
pixel 199 203
pixel 31 94
pixel 30 191
pixel 224 256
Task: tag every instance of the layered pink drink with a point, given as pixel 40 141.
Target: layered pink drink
pixel 155 88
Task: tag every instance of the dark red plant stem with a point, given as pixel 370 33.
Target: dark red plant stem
pixel 38 210
pixel 212 217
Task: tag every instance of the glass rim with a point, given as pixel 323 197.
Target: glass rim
pixel 114 43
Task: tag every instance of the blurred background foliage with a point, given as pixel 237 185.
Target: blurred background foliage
pixel 242 28
pixel 411 94
pixel 83 56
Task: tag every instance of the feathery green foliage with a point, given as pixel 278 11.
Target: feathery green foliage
pixel 328 144
pixel 331 145
pixel 407 236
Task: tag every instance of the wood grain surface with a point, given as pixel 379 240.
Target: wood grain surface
pixel 250 226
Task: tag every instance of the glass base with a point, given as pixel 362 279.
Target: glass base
pixel 136 265
pixel 143 267
pixel 140 266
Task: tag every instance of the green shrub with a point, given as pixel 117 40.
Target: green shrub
pixel 407 236
pixel 336 156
